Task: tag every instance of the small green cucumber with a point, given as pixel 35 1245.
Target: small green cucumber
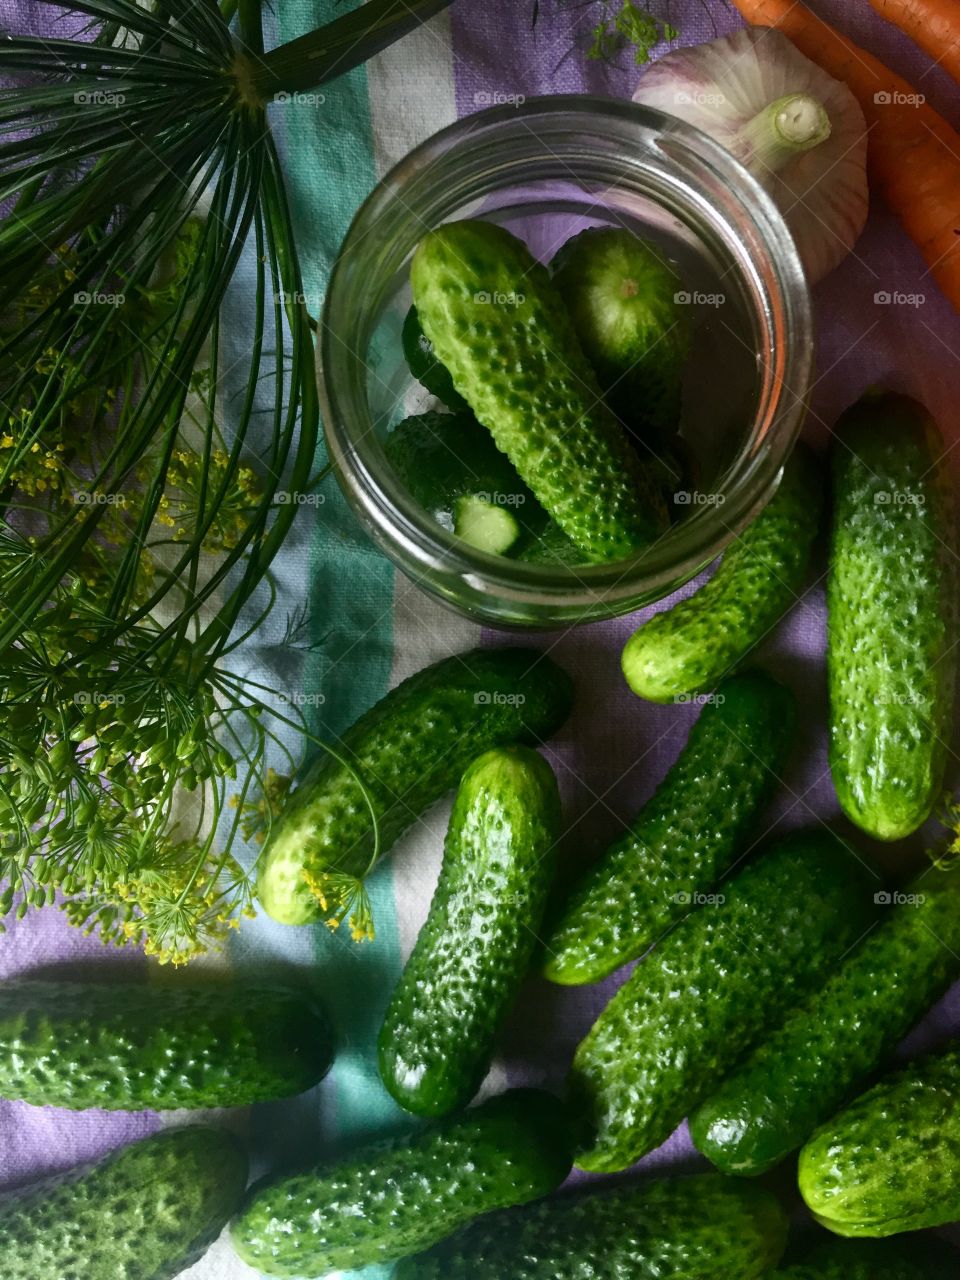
pixel 891 600
pixel 402 1195
pixel 463 975
pixel 622 295
pixel 441 458
pixel 424 365
pixel 685 837
pixel 890 1161
pixel 137 1046
pixel 401 756
pixel 690 647
pixel 146 1212
pixel 726 974
pixel 703 1227
pixel 670 466
pixel 828 1046
pixel 499 325
pixel 674 468
pixel 927 1259
pixel 551 546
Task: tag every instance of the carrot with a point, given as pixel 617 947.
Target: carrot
pixel 914 153
pixel 932 24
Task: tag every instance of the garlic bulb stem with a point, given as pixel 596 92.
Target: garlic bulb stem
pixel 799 131
pixel 786 127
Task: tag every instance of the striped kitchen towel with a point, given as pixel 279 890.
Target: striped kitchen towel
pixel 370 627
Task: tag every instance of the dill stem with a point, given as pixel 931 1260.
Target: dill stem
pixel 337 47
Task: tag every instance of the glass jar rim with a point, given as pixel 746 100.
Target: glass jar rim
pixel 686 547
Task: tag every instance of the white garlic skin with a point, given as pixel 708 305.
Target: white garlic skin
pixel 720 87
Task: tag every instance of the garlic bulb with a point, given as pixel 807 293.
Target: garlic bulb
pixel 800 132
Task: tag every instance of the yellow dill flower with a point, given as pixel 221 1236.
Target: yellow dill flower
pixel 345 897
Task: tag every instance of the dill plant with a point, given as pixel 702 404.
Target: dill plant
pixel 136 531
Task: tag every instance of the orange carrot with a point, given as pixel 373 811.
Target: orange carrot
pixel 914 153
pixel 932 24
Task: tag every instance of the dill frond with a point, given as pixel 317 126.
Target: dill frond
pixel 135 537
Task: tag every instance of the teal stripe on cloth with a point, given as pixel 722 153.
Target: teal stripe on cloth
pixel 329 161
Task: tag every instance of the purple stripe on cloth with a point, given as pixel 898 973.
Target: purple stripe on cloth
pixel 615 748
pixel 36 1141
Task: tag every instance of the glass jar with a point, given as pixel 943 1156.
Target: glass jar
pixel 554 165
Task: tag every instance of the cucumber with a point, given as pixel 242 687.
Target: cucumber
pixel 621 293
pixel 665 1229
pixel 485 525
pixel 725 975
pixel 690 647
pixel 684 838
pixel 147 1212
pixel 872 1260
pixel 672 470
pixel 891 599
pixel 890 1161
pixel 409 749
pixel 775 1099
pixel 675 469
pixel 424 365
pixel 437 1039
pixel 551 546
pixel 499 325
pixel 132 1046
pixel 403 1195
pixel 441 458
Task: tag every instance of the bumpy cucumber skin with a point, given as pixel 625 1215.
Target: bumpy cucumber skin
pixel 872 1260
pixel 621 294
pixel 442 457
pixel 890 1161
pixel 424 365
pixel 133 1046
pixel 709 990
pixel 684 838
pixel 409 749
pixel 520 367
pixel 690 647
pixel 703 1227
pixel 438 1036
pixel 671 469
pixel 401 1196
pixel 891 599
pixel 797 1078
pixel 147 1212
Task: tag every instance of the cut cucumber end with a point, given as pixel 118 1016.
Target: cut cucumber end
pixel 849 1230
pixel 563 976
pixel 719 1139
pixel 484 525
pixel 884 816
pixel 567 971
pixel 282 890
pixel 652 686
pixel 598 1162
